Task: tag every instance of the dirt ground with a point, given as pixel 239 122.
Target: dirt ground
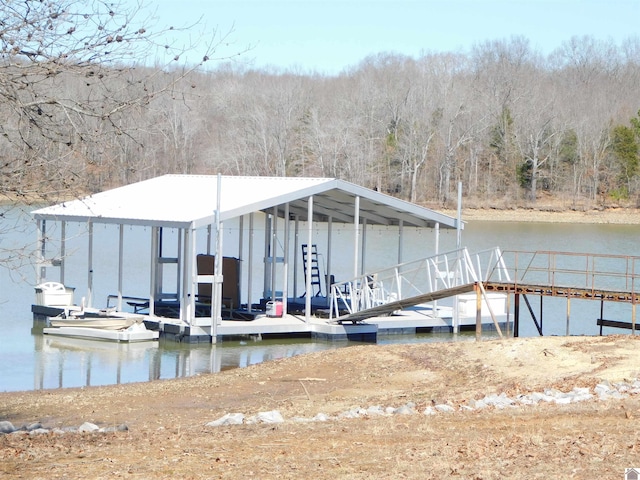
pixel 168 438
pixel 551 213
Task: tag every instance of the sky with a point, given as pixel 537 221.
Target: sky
pixel 328 36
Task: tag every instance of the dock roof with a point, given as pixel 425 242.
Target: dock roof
pixel 183 201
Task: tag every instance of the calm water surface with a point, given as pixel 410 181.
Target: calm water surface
pixel 30 360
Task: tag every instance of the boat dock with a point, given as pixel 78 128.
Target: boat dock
pixel 199 291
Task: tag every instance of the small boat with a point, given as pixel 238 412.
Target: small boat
pixel 104 319
pixel 137 332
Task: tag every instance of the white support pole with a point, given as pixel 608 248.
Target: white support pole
pixel 218 275
pixel 189 278
pixel 274 252
pixel 250 266
pixel 459 221
pixel 308 294
pixel 120 264
pixel 456 309
pixel 267 254
pixel 90 267
pixel 240 257
pixel 179 265
pixel 63 250
pixel 356 235
pixel 285 265
pixel 154 268
pixel 296 245
pixel 436 252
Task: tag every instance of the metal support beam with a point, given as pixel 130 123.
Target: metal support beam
pixel 308 294
pixel 120 264
pixel 296 244
pixel 63 250
pixel 90 267
pixel 216 306
pixel 250 266
pixel 274 252
pixel 356 235
pixel 153 270
pixel 285 265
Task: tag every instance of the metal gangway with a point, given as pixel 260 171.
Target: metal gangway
pixel 412 283
pixel 571 275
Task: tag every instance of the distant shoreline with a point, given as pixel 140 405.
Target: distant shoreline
pixel 613 216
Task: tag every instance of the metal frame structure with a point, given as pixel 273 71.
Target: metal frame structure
pixel 191 203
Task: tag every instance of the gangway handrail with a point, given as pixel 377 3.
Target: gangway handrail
pixel 560 269
pixel 413 279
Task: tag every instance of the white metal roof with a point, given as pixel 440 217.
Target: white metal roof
pixel 190 200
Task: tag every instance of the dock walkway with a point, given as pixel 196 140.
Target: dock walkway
pixel 405 297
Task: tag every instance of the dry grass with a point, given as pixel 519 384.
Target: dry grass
pixel 168 437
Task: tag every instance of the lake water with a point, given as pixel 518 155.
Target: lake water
pixel 30 360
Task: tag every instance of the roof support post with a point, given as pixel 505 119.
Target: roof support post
pixel 189 278
pixel 285 265
pixel 216 301
pixel 240 256
pixel 436 252
pixel 308 294
pixel 153 270
pixel 267 254
pixel 296 244
pixel 274 253
pixel 250 268
pixel 63 251
pixel 120 264
pixel 356 235
pixel 456 309
pixel 90 267
pixel 459 218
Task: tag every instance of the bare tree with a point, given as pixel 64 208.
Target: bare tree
pixel 69 72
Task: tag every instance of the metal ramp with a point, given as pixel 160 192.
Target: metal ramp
pixel 412 283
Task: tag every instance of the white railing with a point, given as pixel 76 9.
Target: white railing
pixel 415 278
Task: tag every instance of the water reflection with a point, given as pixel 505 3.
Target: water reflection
pixel 63 362
pixel 76 362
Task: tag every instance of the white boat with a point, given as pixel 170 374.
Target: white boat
pixel 104 319
pixel 137 332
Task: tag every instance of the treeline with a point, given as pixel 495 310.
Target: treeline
pixel 509 123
